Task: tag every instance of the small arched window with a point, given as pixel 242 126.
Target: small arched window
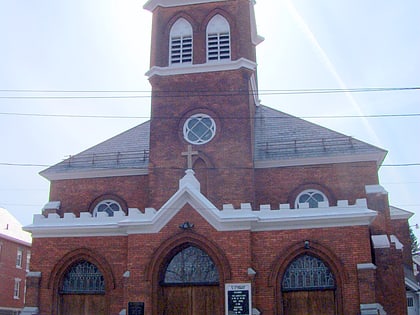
pixel 180 43
pixel 312 197
pixel 107 206
pixel 218 39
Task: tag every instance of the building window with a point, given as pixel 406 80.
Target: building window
pixel 199 129
pixel 28 259
pixel 16 289
pixel 181 43
pixel 19 256
pixel 83 278
pixel 410 302
pixel 107 206
pixel 307 273
pixel 218 39
pixel 311 197
pixel 191 266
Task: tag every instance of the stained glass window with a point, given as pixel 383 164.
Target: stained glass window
pixel 83 277
pixel 307 273
pixel 191 266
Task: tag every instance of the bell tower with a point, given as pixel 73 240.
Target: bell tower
pixel 204 96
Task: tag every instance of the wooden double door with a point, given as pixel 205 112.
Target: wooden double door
pixel 190 300
pixel 82 304
pixel 309 303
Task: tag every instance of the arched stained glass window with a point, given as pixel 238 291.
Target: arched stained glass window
pixel 191 266
pixel 307 273
pixel 83 278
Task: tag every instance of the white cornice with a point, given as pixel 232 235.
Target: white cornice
pixel 400 214
pixel 94 173
pixel 227 219
pixel 151 5
pixel 319 160
pixel 202 68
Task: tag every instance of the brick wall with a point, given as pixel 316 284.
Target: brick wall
pixel 345 181
pixel 236 12
pixel 9 271
pixel 80 195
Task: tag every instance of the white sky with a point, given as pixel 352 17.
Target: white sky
pixel 104 45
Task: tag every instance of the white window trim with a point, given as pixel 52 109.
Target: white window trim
pixel 107 201
pixel 182 31
pixel 321 204
pixel 19 258
pixel 218 26
pixel 186 130
pixel 16 289
pixel 28 259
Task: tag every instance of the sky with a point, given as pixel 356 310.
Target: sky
pixel 64 60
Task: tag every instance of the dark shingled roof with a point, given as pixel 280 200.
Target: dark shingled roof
pixel 278 137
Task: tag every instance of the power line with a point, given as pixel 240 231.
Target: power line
pixel 185 93
pixel 236 117
pixel 45 165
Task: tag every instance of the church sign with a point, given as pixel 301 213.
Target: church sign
pixel 238 298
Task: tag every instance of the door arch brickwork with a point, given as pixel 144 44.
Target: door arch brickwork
pixel 173 246
pixel 320 253
pixel 65 265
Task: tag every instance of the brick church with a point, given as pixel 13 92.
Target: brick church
pixel 218 204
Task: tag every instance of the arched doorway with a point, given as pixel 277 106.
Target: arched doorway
pixel 189 283
pixel 82 290
pixel 308 287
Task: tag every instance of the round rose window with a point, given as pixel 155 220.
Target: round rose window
pixel 199 129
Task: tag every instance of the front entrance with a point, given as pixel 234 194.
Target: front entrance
pixel 82 291
pixel 309 302
pixel 191 300
pixel 190 284
pixel 308 288
pixel 82 304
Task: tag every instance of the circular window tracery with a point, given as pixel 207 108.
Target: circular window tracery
pixel 107 206
pixel 199 129
pixel 312 197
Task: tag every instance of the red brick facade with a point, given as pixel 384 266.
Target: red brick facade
pixel 12 269
pixel 133 251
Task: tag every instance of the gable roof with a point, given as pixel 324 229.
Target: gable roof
pixel 11 229
pixel 280 140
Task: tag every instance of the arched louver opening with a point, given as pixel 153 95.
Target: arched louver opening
pixel 181 43
pixel 218 39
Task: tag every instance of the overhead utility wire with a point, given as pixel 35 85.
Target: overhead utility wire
pixel 223 118
pixel 45 165
pixel 189 93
